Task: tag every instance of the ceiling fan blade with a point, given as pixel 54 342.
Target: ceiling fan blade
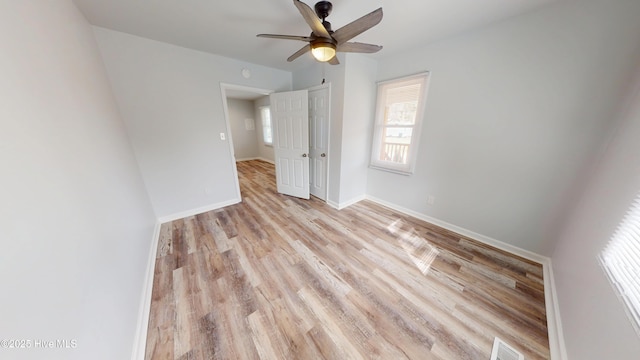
pixel 356 47
pixel 312 19
pixel 357 27
pixel 334 61
pixel 299 53
pixel 285 37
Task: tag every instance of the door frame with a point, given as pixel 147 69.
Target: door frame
pixel 328 87
pixel 225 107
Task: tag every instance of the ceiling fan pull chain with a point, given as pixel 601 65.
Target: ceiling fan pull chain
pixel 324 72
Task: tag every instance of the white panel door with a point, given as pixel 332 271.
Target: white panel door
pixel 290 121
pixel 318 141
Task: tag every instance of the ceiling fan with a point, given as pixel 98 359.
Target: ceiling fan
pixel 324 42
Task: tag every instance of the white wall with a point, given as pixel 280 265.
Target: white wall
pixel 515 112
pixel 357 126
pixel 75 221
pixel 265 152
pixel 245 144
pixel 171 101
pixel 594 322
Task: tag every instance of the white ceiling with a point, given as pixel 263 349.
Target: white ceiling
pixel 229 28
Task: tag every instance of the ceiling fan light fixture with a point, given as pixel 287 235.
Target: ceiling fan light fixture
pixel 323 50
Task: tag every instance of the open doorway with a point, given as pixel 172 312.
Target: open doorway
pixel 244 109
pixel 243 124
pixel 250 137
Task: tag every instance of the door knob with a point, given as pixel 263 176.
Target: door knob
pixel 304 155
pixel 323 155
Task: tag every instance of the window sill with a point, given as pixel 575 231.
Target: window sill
pixel 394 171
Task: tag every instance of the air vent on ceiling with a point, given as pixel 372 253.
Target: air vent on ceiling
pixel 502 351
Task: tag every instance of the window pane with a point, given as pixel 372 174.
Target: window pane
pixel 395 145
pixel 398 134
pixel 267 136
pixel 402 104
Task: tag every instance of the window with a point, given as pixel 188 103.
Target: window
pixel 399 112
pixel 621 261
pixel 265 115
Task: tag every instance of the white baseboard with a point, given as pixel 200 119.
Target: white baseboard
pixel 462 231
pixel 200 210
pixel 140 338
pixel 557 347
pixel 266 160
pixel 348 203
pixel 344 204
pixel 256 158
pixel 333 204
pixel 554 326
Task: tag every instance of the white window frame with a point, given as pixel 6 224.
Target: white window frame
pixel 265 126
pixel 621 262
pixel 379 130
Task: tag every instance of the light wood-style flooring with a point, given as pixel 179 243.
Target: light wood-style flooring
pixel 276 277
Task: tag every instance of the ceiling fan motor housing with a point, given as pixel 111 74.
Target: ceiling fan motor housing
pixel 323 9
pixel 323 42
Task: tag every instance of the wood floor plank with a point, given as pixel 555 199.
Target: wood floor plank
pixel 341 345
pixel 184 318
pixel 164 241
pixel 276 277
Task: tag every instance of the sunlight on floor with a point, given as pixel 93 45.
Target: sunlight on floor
pixel 417 248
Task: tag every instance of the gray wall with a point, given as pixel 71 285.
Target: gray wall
pixel 515 113
pixel 76 224
pixel 245 141
pixel 171 102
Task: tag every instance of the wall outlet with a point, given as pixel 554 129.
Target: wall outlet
pixel 223 136
pixel 431 199
pixel 207 190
